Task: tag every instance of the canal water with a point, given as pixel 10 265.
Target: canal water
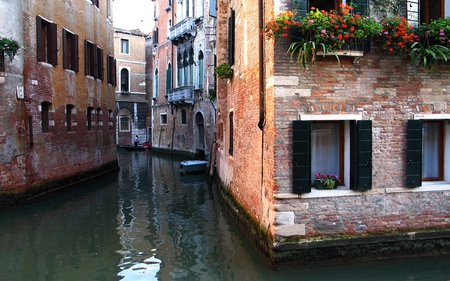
pixel 149 222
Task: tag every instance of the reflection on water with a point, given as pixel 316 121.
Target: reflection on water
pixel 149 222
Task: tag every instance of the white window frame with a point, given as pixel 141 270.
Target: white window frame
pixel 120 123
pixel 337 117
pixel 121 46
pixel 446 139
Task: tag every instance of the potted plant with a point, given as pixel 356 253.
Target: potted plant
pixel 397 36
pixel 437 31
pixel 428 55
pixel 224 71
pixel 9 47
pixel 322 31
pixel 326 181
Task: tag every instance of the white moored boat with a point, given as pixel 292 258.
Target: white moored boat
pixel 192 166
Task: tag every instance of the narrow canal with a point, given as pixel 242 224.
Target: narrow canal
pixel 149 222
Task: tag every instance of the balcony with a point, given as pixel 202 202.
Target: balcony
pixel 184 94
pixel 183 31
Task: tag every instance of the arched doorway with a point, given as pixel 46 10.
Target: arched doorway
pixel 200 133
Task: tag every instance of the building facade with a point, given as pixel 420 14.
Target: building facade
pixel 58 97
pixel 364 120
pixel 184 111
pixel 132 99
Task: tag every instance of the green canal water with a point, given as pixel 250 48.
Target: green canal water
pixel 149 222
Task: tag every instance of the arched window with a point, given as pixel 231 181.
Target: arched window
pixel 156 84
pixel 179 70
pixel 169 77
pixel 124 80
pixel 191 67
pixel 185 69
pixel 200 71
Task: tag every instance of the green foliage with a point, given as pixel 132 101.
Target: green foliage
pixel 9 46
pixel 306 51
pixel 438 31
pixel 224 71
pixel 386 8
pixel 428 55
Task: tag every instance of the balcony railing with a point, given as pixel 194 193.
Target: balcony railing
pixel 184 29
pixel 184 94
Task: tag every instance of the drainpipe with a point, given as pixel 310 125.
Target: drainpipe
pixel 262 104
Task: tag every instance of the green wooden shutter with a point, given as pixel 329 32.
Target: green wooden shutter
pixel 301 157
pixel 300 8
pixel 361 8
pixel 414 153
pixel 361 155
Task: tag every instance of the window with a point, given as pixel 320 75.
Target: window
pixel 179 70
pixel 200 71
pixel 111 70
pixel 89 118
pixel 427 143
pixel 301 7
pixel 169 77
pixel 45 120
pixel 430 10
pixel 96 3
pixel 155 36
pixel 70 50
pixel 99 64
pixel 90 55
pixel 69 108
pixel 156 84
pixel 191 67
pixel 327 148
pixel 2 62
pixel 124 80
pixel 342 147
pixel 93 60
pixel 46 41
pixel 231 140
pixel 124 124
pixel 124 46
pixel 213 8
pixel 163 119
pixel 231 31
pixel 183 117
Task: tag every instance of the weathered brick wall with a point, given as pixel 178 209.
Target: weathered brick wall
pixel 45 157
pixel 380 87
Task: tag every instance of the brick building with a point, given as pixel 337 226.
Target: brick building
pixel 58 121
pixel 365 113
pixel 132 99
pixel 183 76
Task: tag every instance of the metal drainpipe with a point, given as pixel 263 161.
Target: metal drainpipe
pixel 262 104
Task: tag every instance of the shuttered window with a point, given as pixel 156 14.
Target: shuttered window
pixel 45 120
pixel 231 36
pixel 90 56
pixel 111 70
pixel 46 41
pixel 70 50
pixel 311 149
pixel 99 64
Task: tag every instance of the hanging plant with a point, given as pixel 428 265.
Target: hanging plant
pixel 224 71
pixel 9 47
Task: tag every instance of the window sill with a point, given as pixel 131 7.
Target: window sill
pixel 343 191
pixel 357 55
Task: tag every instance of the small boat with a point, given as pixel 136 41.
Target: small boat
pixel 144 146
pixel 192 166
